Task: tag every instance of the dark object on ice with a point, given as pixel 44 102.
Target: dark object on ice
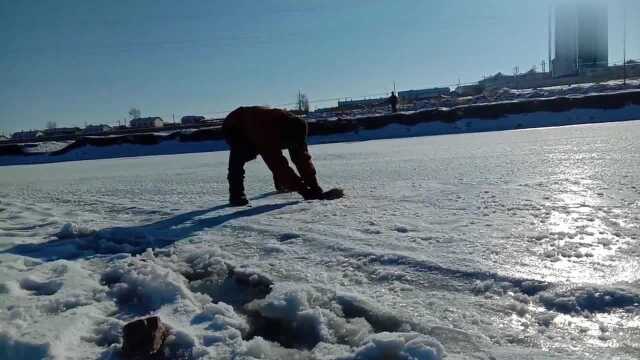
pixel 253 131
pixel 333 194
pixel 393 100
pixel 144 339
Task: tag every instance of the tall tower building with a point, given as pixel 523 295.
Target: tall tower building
pixel 566 40
pixel 593 35
pixel 581 37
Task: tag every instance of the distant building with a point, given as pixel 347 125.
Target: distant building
pixel 27 135
pixel 147 123
pixel 581 37
pixel 192 120
pixel 566 40
pixel 3 138
pixel 68 131
pixel 469 90
pixel 528 80
pixel 96 129
pixel 413 95
pixel 593 35
pixel 358 104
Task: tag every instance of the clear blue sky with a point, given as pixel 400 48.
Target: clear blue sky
pixel 89 61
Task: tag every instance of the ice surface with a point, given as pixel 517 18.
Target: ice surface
pixel 507 245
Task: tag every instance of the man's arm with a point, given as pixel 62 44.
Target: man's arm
pixel 302 160
pixel 281 170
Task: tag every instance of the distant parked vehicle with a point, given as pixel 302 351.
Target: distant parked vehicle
pixel 96 129
pixel 147 122
pixel 192 120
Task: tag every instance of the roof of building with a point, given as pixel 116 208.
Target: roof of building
pixel 28 133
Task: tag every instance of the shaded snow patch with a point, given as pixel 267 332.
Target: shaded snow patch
pixel 590 299
pixel 12 348
pixel 40 287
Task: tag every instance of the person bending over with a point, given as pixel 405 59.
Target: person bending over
pixel 253 131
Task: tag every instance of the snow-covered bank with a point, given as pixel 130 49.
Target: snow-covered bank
pixel 529 113
pixel 472 125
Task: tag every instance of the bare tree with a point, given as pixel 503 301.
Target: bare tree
pixel 51 125
pixel 135 113
pixel 303 102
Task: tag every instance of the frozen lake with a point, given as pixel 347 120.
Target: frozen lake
pixel 519 244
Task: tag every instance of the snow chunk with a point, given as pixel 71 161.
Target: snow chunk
pixel 518 308
pixel 40 287
pixel 182 345
pixel 73 231
pixel 221 317
pixel 12 288
pixel 259 348
pixel 106 333
pixel 145 285
pixel 285 302
pixel 399 346
pixel 71 301
pixel 289 317
pixel 482 287
pixel 234 286
pixel 380 319
pixel 200 264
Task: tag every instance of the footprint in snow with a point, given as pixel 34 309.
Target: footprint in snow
pixel 372 231
pixel 288 237
pixel 401 229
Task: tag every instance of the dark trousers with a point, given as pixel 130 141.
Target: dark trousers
pixel 239 155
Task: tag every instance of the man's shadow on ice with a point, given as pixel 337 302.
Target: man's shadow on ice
pixel 136 239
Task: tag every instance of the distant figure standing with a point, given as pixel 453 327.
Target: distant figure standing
pixel 253 131
pixel 393 100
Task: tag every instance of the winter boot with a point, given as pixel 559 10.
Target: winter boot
pixel 238 200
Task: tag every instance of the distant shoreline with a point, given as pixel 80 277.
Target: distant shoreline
pixel 510 115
